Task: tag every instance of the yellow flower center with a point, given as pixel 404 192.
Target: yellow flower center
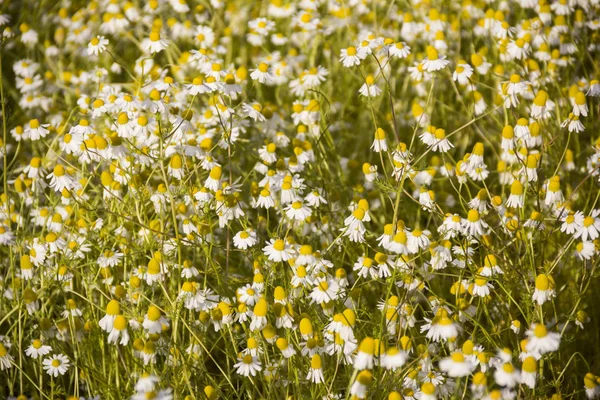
pixel 153 313
pixel 458 357
pixel 279 245
pixel 540 331
pixel 155 36
pixel 262 67
pixel 473 216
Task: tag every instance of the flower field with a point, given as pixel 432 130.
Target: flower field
pixel 300 199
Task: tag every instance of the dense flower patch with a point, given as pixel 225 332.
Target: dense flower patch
pixel 336 199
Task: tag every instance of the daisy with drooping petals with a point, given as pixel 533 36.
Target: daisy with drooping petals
pixel 60 179
pixel 580 107
pixel 379 143
pixel 34 130
pixel 6 359
pixel 399 50
pixel 119 330
pixel 369 88
pixel 154 43
pixel 456 365
pixel 434 62
pixel 516 198
pixel 262 74
pixel 360 385
pixel 541 341
pixel 544 289
pixel 298 211
pixel 37 349
pixel 507 375
pixel 529 372
pixel 315 373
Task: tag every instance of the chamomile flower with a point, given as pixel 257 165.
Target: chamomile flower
pixel 154 43
pixel 298 211
pixel 434 62
pixel 393 358
pixel 259 317
pixel 37 349
pixel 360 385
pixel 315 199
pixel 456 365
pixel 529 372
pixel 262 74
pixel 119 330
pixel 245 239
pixel 462 73
pixel 315 373
pixel 254 111
pixel 507 375
pixel 591 385
pixel 278 250
pixel 369 88
pixel 473 225
pixel 542 106
pixel 350 57
pixel 585 250
pixel 481 287
pixel 6 359
pixel 56 365
pixel 441 328
pixel 590 227
pixel 213 180
pixel 553 193
pixel 35 130
pixel 153 320
pixel 399 50
pixel 580 107
pixel 248 365
pixel 379 143
pixel 516 198
pixel 324 291
pixel 541 341
pixel 544 289
pixel 60 179
pixel 287 350
pixel 97 45
pixel 439 141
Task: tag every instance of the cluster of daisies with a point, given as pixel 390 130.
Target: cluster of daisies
pixel 336 199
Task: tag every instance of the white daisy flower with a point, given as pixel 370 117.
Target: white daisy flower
pixel 278 250
pixel 97 45
pixel 56 365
